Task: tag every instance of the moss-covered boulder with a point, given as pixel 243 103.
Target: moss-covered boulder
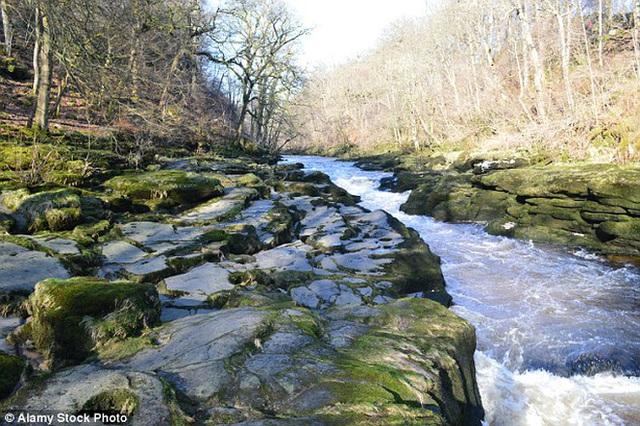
pixel 71 317
pixel 166 188
pixel 6 223
pixel 591 206
pixel 413 267
pixel 11 368
pixel 58 210
pixel 250 180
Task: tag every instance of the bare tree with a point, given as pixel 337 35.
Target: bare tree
pixel 255 43
pixel 6 26
pixel 43 57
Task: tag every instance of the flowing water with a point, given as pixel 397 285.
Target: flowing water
pixel 558 332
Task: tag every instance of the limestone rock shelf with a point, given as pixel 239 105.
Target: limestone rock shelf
pixel 280 301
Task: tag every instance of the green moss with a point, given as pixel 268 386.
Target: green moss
pixel 124 349
pixel 63 219
pixel 167 188
pixel 250 180
pixel 72 316
pixel 251 277
pixel 7 223
pixel 11 368
pixel 212 236
pixel 115 401
pixel 85 263
pixel 15 157
pixel 56 210
pixel 288 279
pixel 360 393
pixel 309 326
pixel 88 234
pixel 179 405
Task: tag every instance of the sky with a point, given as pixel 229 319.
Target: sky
pixel 342 29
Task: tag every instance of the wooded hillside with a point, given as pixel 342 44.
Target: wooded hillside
pixel 552 77
pixel 158 70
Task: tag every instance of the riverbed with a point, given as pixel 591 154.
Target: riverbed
pixel 558 331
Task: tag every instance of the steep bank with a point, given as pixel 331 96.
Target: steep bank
pixel 594 206
pixel 280 299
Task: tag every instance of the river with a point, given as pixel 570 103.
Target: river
pixel 558 332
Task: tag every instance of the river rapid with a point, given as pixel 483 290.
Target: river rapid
pixel 558 332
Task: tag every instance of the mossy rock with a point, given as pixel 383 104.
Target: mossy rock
pixel 166 188
pixel 250 180
pixel 89 233
pixel 7 223
pixel 599 180
pixel 414 268
pixel 416 356
pixel 314 177
pixel 282 222
pixel 434 191
pixel 243 240
pixel 57 210
pixel 114 401
pixel 72 316
pixel 609 231
pixel 11 368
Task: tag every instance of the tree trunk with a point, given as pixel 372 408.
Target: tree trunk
pixel 600 31
pixel 43 72
pixel 538 70
pixel 565 53
pixel 594 102
pixel 6 26
pixel 636 35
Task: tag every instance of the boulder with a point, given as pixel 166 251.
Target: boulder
pixel 166 188
pixel 72 316
pixel 58 210
pixel 11 367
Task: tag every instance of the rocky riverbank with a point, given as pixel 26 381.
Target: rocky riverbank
pixel 220 292
pixel 593 206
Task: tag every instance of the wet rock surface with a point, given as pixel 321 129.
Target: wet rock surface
pixel 286 301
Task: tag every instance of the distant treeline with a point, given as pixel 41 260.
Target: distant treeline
pixel 558 77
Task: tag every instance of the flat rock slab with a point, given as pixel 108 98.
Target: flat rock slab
pixel 290 257
pixel 160 236
pixel 59 245
pixel 148 266
pixel 236 199
pixel 325 293
pixel 21 268
pixel 212 211
pixel 360 263
pixel 203 280
pixel 69 390
pixel 195 348
pixel 173 314
pixel 120 252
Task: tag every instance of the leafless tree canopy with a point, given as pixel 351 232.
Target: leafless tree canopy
pixel 174 68
pixel 556 76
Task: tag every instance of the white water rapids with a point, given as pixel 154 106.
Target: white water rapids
pixel 542 315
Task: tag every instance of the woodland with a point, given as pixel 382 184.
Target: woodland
pixel 551 78
pixel 556 78
pixel 154 72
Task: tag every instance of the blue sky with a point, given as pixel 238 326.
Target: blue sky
pixel 344 28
